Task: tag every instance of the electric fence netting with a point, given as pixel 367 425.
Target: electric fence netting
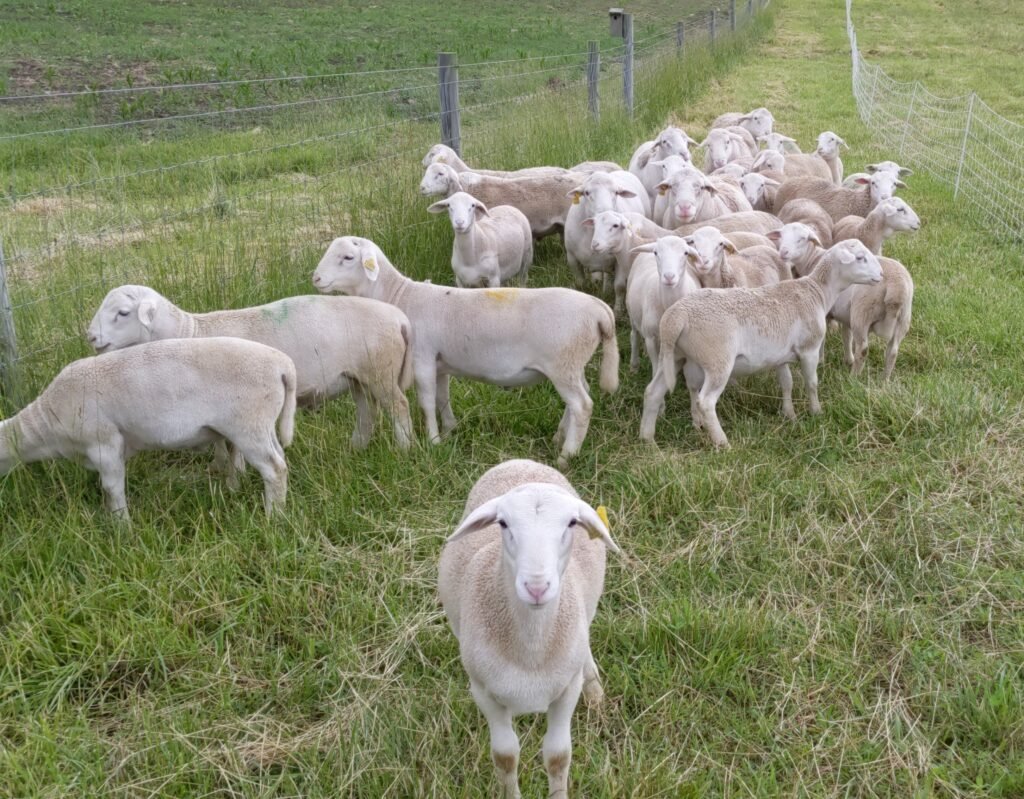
pixel 195 188
pixel 959 140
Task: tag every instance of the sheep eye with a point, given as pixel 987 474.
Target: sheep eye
pixel 122 313
pixel 347 258
pixel 573 523
pixel 502 524
pixel 903 210
pixel 616 226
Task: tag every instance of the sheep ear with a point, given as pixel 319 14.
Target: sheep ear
pixel 626 193
pixel 663 187
pixel 690 140
pixel 729 246
pixel 483 516
pixel 812 236
pixel 644 248
pixel 147 310
pixel 862 181
pixel 871 168
pixel 370 265
pixel 588 222
pixel 575 195
pixel 846 256
pixel 703 143
pixel 773 235
pixel 438 207
pixel 847 146
pixel 595 523
pixel 901 184
pixel 710 187
pixel 480 210
pixel 905 173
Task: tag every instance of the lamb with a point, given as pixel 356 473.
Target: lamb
pixel 520 580
pixel 809 213
pixel 670 167
pixel 600 191
pixel 672 141
pixel 883 309
pixel 839 201
pixel 337 344
pixel 746 221
pixel 542 199
pixel 508 337
pixel 725 332
pixel 758 122
pixel 661 274
pixel 888 217
pixel 771 164
pixel 175 394
pixel 491 245
pixel 721 265
pixel 828 151
pixel 759 191
pixel 851 181
pixel 800 165
pixel 617 233
pixel 800 247
pixel 694 197
pixel 776 141
pixel 724 145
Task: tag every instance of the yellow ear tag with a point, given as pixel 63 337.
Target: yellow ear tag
pixel 602 512
pixel 576 199
pixel 370 265
pixel 441 160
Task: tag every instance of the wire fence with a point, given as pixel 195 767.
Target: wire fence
pixel 92 202
pixel 959 140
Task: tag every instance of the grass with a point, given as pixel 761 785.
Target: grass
pixel 831 608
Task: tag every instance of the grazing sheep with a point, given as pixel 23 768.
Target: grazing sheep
pixel 888 217
pixel 771 164
pixel 851 181
pixel 746 221
pixel 520 579
pixel 542 199
pixel 883 309
pixel 720 264
pixel 724 145
pixel 758 122
pixel 491 245
pixel 720 333
pixel 600 191
pixel 760 191
pixel 337 344
pixel 800 247
pixel 776 141
pixel 809 213
pixel 662 273
pixel 507 337
pixel 672 141
pixel 839 201
pixel 695 197
pixel 828 151
pixel 442 154
pixel 175 394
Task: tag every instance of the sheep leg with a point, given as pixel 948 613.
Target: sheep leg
pixel 620 293
pixel 694 376
pixel 225 464
pixel 785 378
pixel 707 400
pixel 593 693
pixel 398 407
pixel 859 346
pixel 809 368
pixel 108 460
pixel 634 349
pixel 504 741
pixel 563 424
pixel 557 746
pixel 579 407
pixel 891 351
pixel 365 413
pixel 425 376
pixel 264 452
pixel 654 400
pixel 848 356
pixel 444 404
pixel 576 267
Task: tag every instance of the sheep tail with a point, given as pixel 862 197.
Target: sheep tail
pixel 405 376
pixel 286 421
pixel 609 380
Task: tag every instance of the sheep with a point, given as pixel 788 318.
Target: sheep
pixel 442 154
pixel 776 141
pixel 758 122
pixel 807 212
pixel 746 221
pixel 337 344
pixel 520 579
pixel 800 247
pixel 508 337
pixel 759 191
pixel 770 163
pixel 883 309
pixel 721 265
pixel 726 332
pixel 723 145
pixel 670 166
pixel 800 165
pixel 491 244
pixel 661 274
pixel 851 181
pixel 694 197
pixel 839 201
pixel 174 394
pixel 735 169
pixel 600 191
pixel 888 217
pixel 586 167
pixel 617 233
pixel 828 151
pixel 672 141
pixel 542 199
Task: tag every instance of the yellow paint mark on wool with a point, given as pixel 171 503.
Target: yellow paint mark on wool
pixel 502 295
pixel 602 512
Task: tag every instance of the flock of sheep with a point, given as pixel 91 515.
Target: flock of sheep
pixel 725 271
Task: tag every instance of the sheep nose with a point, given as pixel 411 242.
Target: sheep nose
pixel 316 279
pixel 537 590
pixel 670 280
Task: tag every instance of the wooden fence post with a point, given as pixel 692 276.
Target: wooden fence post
pixel 448 88
pixel 627 63
pixel 713 24
pixel 680 36
pixel 732 15
pixel 593 75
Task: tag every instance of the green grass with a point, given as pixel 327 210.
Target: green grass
pixel 831 608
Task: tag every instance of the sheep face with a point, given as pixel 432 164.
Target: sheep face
pixel 438 153
pixel 671 165
pixel 732 170
pixel 436 180
pixel 776 141
pixel 829 143
pixel 890 166
pixel 463 210
pixel 687 190
pixel 770 159
pixel 610 228
pixel 673 254
pixel 723 147
pixel 600 192
pixel 125 317
pixel 883 186
pixel 855 263
pixel 796 241
pixel 759 122
pixel 753 187
pixel 710 248
pixel 538 522
pixel 673 141
pixel 898 215
pixel 350 266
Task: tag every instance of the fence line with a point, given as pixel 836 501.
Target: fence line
pixel 960 140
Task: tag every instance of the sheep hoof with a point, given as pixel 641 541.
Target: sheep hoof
pixel 789 413
pixel 593 693
pixel 562 462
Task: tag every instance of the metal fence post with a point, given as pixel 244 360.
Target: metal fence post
pixel 732 15
pixel 680 36
pixel 8 340
pixel 448 88
pixel 963 144
pixel 627 63
pixel 906 122
pixel 593 73
pixel 713 24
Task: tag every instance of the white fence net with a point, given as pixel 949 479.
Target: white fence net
pixel 960 140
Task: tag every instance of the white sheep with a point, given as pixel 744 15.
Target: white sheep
pixel 520 580
pixel 541 198
pixel 670 167
pixel 507 337
pixel 776 141
pixel 884 309
pixel 839 201
pixel 724 145
pixel 491 245
pixel 720 333
pixel 746 221
pixel 337 344
pixel 804 165
pixel 852 181
pixel 800 247
pixel 661 274
pixel 809 213
pixel 770 163
pixel 734 170
pixel 760 191
pixel 695 197
pixel 443 154
pixel 645 163
pixel 720 264
pixel 600 191
pixel 175 394
pixel 885 219
pixel 758 122
pixel 828 150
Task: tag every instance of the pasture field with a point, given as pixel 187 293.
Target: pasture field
pixel 833 607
